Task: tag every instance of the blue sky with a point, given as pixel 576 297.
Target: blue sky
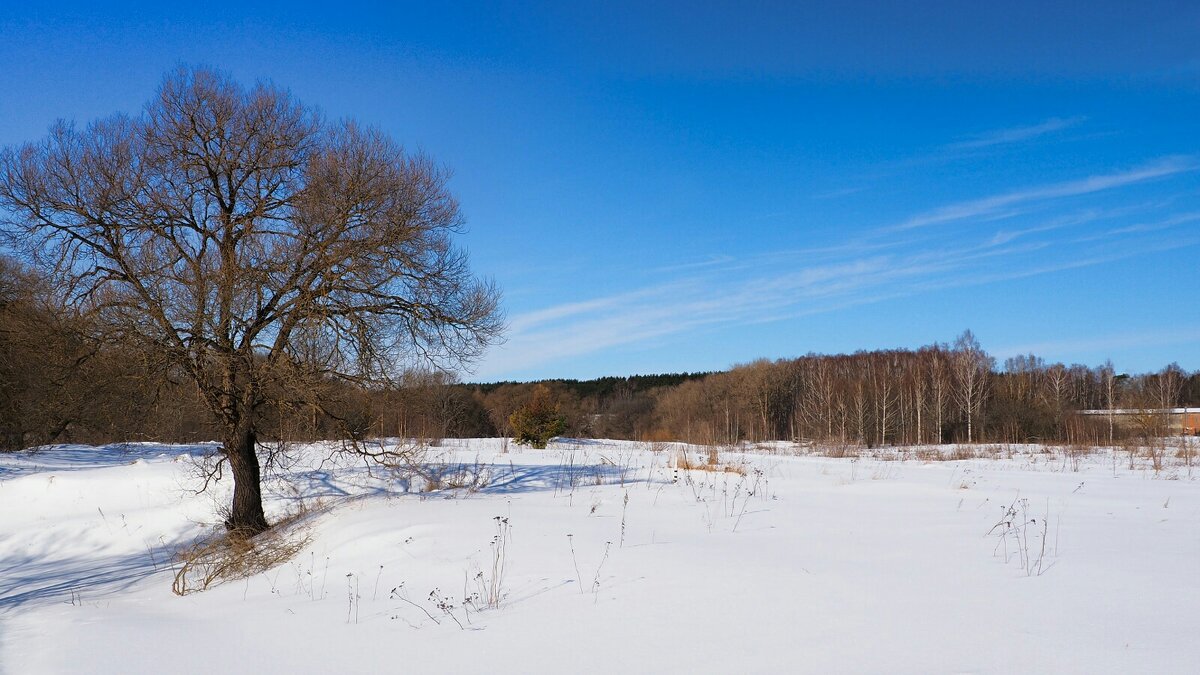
pixel 688 186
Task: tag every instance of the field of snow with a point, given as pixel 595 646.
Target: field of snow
pixel 601 557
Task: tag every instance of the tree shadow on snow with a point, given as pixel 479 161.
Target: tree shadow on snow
pixel 541 478
pixel 449 479
pixel 27 581
pixel 85 579
pixel 60 458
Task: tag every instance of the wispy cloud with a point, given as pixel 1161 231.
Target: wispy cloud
pixel 998 204
pixel 726 290
pixel 702 302
pixel 575 329
pixel 712 261
pixel 838 194
pixel 1016 134
pixel 531 320
pixel 1067 348
pixel 1058 223
pixel 1173 221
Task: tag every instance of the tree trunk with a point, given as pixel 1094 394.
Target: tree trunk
pixel 920 403
pixel 246 518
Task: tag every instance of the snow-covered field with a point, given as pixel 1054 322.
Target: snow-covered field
pixel 605 559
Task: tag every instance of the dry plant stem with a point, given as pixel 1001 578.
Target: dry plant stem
pixel 624 509
pixel 578 576
pixel 397 596
pixel 757 476
pixel 1045 531
pixel 1015 524
pixel 494 585
pixel 596 579
pixel 352 597
pixel 446 606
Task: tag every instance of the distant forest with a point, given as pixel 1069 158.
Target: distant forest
pixel 58 384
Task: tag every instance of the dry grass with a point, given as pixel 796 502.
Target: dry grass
pixel 657 447
pixel 958 453
pixel 455 476
pixel 927 454
pixel 963 452
pixel 994 451
pixel 711 463
pixel 842 451
pixel 713 454
pixel 229 557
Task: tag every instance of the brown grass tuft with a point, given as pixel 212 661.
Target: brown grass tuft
pixel 683 461
pixel 229 557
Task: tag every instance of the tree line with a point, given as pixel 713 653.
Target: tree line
pixel 941 393
pixel 58 385
pixel 936 394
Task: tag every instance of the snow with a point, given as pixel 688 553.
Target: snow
pixel 795 563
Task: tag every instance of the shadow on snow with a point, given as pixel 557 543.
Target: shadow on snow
pixel 448 479
pixel 84 457
pixel 26 580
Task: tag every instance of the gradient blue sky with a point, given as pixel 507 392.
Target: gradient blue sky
pixel 690 185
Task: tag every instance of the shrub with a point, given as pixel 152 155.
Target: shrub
pixel 539 420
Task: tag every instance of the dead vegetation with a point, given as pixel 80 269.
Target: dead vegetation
pixel 471 477
pixel 711 462
pixel 228 556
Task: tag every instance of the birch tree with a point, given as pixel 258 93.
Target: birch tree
pixel 971 367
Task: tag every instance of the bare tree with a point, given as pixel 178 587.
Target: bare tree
pixel 883 371
pixel 939 377
pixel 821 396
pixel 1054 391
pixel 1108 376
pixel 971 368
pixel 256 247
pixel 1168 383
pixel 918 386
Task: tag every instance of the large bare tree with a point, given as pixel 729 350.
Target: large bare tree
pixel 256 247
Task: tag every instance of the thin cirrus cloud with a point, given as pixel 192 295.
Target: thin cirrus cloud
pixel 574 329
pixel 779 293
pixel 891 263
pixel 1083 217
pixel 1173 221
pixel 998 204
pixel 1107 343
pixel 1016 134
